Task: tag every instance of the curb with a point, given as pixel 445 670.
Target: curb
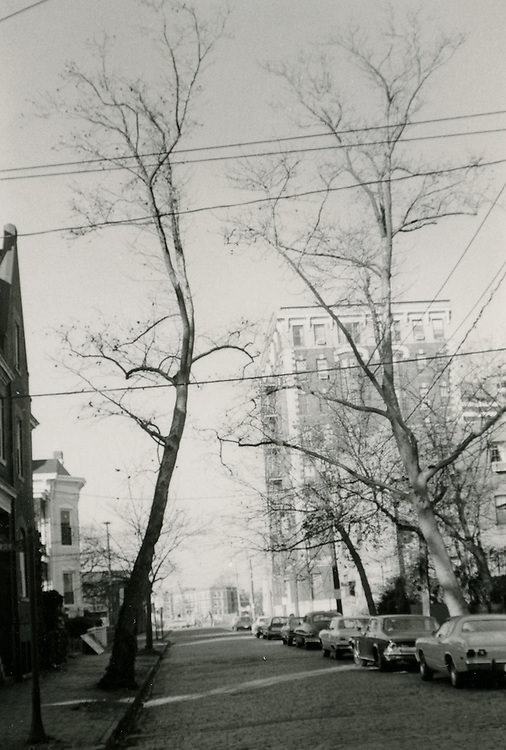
pixel 117 733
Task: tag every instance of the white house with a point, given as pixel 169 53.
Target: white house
pixel 56 499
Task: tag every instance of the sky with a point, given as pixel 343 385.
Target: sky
pixel 96 279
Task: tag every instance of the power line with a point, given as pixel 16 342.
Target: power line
pixel 258 201
pixel 246 378
pixel 228 157
pixel 239 144
pixel 22 10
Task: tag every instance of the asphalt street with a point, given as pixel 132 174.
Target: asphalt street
pixel 218 689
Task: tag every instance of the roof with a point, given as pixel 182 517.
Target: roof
pixel 49 466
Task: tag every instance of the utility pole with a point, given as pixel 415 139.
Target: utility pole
pixel 37 734
pixel 109 570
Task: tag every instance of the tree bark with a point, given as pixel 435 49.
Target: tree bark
pixel 120 672
pixel 357 560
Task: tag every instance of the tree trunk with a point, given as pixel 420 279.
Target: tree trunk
pixel 485 584
pixel 357 560
pixel 453 597
pixel 120 672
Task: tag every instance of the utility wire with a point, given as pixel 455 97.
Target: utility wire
pixel 244 378
pixel 22 10
pixel 228 157
pixel 243 144
pixel 257 201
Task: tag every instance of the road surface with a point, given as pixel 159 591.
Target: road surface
pixel 229 691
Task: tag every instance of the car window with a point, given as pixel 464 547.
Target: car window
pixel 392 624
pixel 346 623
pixel 484 626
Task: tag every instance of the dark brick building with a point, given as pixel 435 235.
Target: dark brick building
pixel 16 503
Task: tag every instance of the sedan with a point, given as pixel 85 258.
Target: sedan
pixel 390 639
pixel 272 628
pixel 463 645
pixel 288 630
pixel 338 638
pixel 257 625
pixel 308 632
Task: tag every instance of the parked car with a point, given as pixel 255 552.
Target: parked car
pixel 255 628
pixel 464 645
pixel 308 632
pixel 338 639
pixel 272 628
pixel 390 639
pixel 288 630
pixel 241 622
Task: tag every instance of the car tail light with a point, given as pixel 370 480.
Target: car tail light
pixel 482 652
pixel 471 653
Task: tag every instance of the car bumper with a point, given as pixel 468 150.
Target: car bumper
pixel 402 654
pixel 486 665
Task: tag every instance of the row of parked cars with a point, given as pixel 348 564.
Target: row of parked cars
pixel 461 646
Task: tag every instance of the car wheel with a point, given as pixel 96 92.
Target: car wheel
pixel 325 652
pixel 299 642
pixel 289 641
pixel 258 634
pixel 426 673
pixel 380 661
pixel 456 678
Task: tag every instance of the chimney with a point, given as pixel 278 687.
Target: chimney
pixel 10 236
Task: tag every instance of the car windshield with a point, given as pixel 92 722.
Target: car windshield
pixel 347 624
pixel 323 617
pixel 408 623
pixel 484 626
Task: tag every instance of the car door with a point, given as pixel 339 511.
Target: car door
pixel 435 647
pixel 366 640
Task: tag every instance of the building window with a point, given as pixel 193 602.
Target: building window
pixel 66 529
pixel 417 328
pixel 19 447
pixel 438 329
pixel 444 391
pixel 17 346
pixel 495 453
pixel 298 335
pixel 23 570
pixel 352 588
pixel 2 427
pixel 500 508
pixel 420 360
pixel 300 365
pixel 354 330
pixel 68 588
pixel 320 337
pixel 396 330
pixel 322 368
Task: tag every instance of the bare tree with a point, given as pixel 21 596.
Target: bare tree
pixel 134 125
pixel 352 251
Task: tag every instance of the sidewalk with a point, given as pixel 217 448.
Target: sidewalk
pixel 75 713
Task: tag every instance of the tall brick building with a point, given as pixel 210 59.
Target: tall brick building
pixel 16 503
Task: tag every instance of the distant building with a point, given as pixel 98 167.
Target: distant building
pixel 306 344
pixel 201 604
pixel 56 499
pixel 17 533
